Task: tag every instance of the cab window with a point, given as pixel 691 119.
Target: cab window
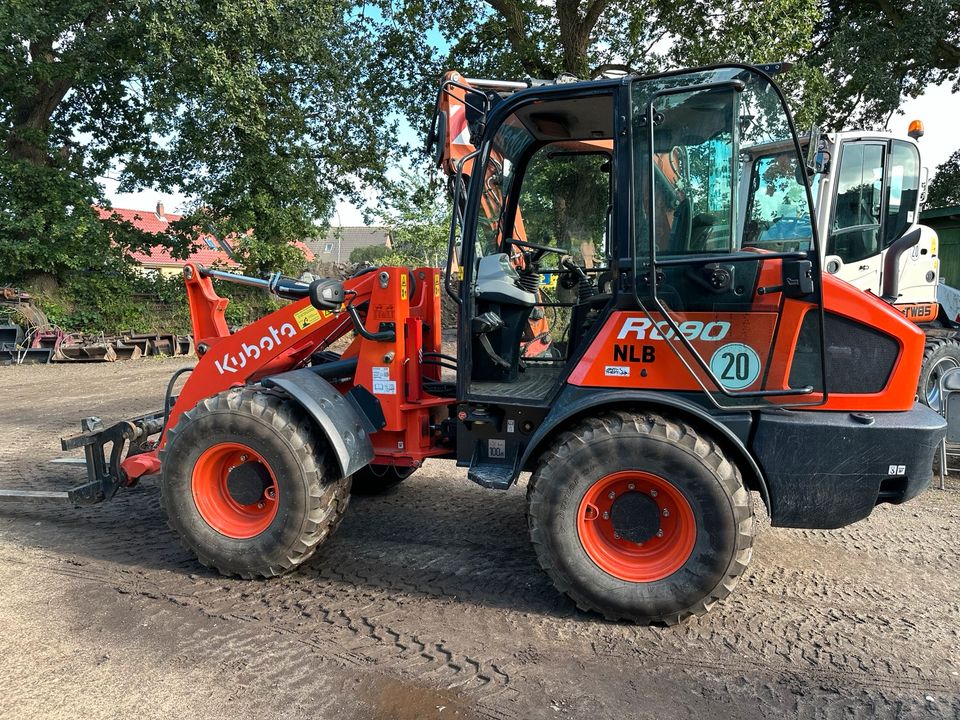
pixel 855 233
pixel 904 186
pixel 565 197
pixel 778 217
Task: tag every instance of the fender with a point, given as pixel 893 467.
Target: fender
pixel 345 421
pixel 575 401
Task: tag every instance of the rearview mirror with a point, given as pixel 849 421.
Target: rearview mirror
pixel 814 158
pixel 326 294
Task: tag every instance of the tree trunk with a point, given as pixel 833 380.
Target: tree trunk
pixel 576 30
pixel 31 113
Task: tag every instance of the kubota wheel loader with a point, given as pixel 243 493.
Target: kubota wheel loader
pixel 684 370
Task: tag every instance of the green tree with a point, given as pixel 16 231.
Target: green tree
pixel 944 189
pixel 418 216
pixel 374 255
pixel 260 111
pixel 869 55
pixel 518 38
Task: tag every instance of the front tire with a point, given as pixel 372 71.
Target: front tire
pixel 640 517
pixel 247 485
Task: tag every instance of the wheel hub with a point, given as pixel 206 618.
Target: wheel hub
pixel 635 517
pixel 636 526
pixel 235 490
pixel 248 482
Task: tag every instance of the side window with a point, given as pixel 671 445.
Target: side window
pixel 693 184
pixel 778 218
pixel 855 232
pixel 565 203
pixel 904 183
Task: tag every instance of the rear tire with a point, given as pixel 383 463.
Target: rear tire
pixel 940 354
pixel 379 479
pixel 247 486
pixel 686 523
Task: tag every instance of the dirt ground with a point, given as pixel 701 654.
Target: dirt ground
pixel 428 603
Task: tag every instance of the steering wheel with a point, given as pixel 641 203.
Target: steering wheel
pixel 538 250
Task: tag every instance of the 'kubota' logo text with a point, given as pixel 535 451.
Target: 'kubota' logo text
pixel 645 329
pixel 231 363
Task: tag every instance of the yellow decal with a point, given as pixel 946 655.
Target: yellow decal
pixel 548 280
pixel 436 286
pixel 309 316
pixel 403 286
pixel 460 274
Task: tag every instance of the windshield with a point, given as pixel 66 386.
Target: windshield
pixel 699 190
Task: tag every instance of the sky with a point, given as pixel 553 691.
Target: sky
pixel 938 108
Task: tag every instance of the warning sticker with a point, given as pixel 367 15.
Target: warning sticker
pixel 384 387
pixel 617 371
pixel 381 373
pixel 496 448
pixel 403 286
pixel 436 286
pixel 309 316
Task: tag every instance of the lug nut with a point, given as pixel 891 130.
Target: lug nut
pixel 616 536
pixel 243 458
pixel 260 505
pixel 666 512
pixel 612 495
pixel 659 533
pixel 271 493
pixel 653 493
pixel 631 486
pixel 606 516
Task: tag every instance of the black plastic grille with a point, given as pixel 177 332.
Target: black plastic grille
pixel 859 358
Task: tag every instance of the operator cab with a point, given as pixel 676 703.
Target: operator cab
pixel 577 192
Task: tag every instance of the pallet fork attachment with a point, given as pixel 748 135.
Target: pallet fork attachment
pixel 104 474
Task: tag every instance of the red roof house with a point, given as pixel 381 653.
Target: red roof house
pixel 158 259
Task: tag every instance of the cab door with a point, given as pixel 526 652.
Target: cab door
pixel 856 226
pixel 718 313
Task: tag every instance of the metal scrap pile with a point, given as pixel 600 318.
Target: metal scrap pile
pixel 28 337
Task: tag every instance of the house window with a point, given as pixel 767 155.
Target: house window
pixel 328 247
pixel 209 243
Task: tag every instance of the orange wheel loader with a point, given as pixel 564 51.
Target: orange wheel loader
pixel 686 367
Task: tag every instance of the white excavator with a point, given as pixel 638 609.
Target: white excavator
pixel 868 187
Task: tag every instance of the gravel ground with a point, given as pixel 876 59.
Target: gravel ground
pixel 428 603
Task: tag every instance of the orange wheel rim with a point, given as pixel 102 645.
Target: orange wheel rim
pixel 636 526
pixel 235 490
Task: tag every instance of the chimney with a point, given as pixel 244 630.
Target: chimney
pixel 160 211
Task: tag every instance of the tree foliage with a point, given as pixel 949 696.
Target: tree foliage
pixel 521 38
pixel 854 61
pixel 261 111
pixel 418 217
pixel 944 189
pixel 869 55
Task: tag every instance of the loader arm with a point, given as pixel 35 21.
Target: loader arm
pixel 281 341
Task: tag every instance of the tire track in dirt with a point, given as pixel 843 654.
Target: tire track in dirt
pixel 437 583
pixel 332 633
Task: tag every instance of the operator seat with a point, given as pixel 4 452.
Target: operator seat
pixel 502 310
